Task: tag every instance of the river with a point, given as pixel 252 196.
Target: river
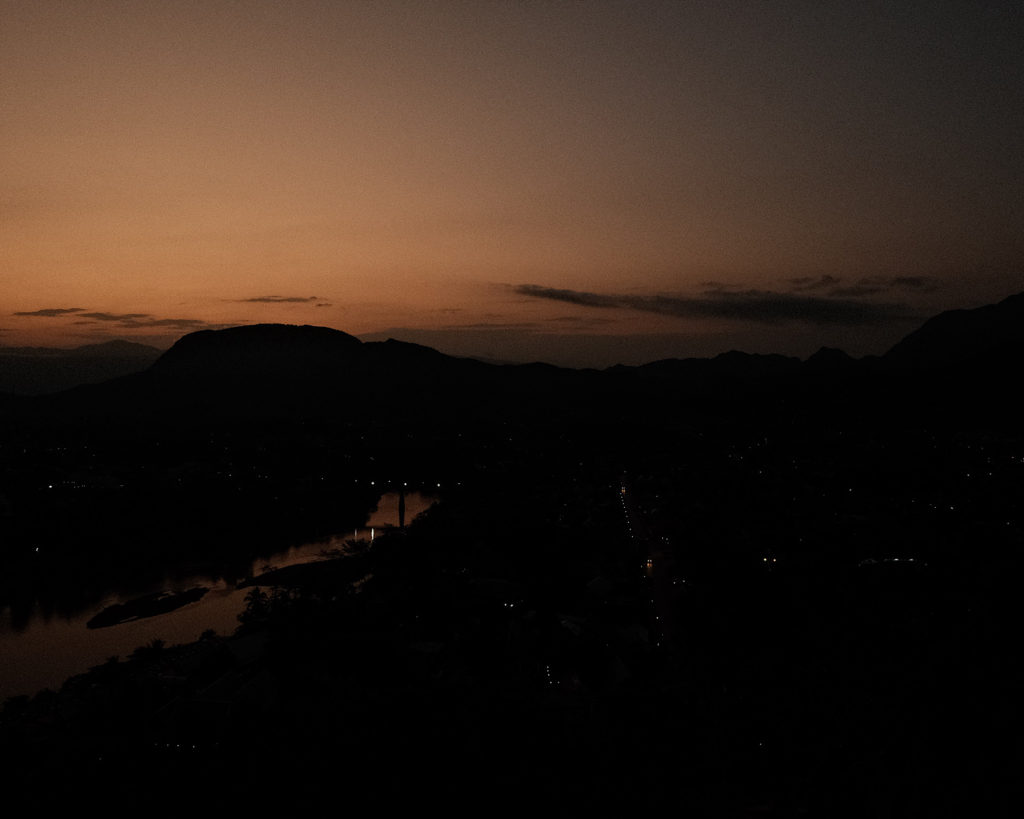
pixel 51 648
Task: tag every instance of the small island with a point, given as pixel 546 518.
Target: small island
pixel 149 605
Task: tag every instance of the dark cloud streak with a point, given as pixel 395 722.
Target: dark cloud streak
pixel 925 284
pixel 51 312
pixel 125 320
pixel 856 291
pixel 115 316
pixel 868 286
pixel 761 306
pixel 176 323
pixel 134 320
pixel 279 300
pixel 813 282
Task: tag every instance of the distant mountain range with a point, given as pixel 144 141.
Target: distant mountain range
pixel 39 370
pixel 307 371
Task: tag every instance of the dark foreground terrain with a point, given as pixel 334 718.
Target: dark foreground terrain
pixel 745 587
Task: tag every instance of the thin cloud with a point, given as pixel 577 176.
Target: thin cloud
pixel 579 297
pixel 856 291
pixel 923 284
pixel 589 321
pixel 527 326
pixel 121 317
pixel 176 323
pixel 761 306
pixel 51 312
pixel 142 320
pixel 867 286
pixel 280 300
pixel 813 282
pixel 128 321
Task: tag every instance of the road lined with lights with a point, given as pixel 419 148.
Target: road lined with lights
pixel 654 560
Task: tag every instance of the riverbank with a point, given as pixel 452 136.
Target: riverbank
pixel 52 642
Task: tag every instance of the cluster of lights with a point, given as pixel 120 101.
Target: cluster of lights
pixel 625 511
pixel 648 564
pixel 388 483
pixel 175 746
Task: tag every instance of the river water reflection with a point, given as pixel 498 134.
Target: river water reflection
pixel 52 648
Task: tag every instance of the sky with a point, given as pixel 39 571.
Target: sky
pixel 586 183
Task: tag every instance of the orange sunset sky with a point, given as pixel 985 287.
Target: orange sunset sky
pixel 584 183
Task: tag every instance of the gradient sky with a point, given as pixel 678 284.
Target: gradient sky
pixel 579 182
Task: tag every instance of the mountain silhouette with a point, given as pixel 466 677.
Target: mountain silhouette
pixel 117 348
pixel 955 363
pixel 829 359
pixel 957 337
pixel 40 370
pixel 257 349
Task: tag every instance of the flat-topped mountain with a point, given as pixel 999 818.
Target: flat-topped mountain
pixel 258 348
